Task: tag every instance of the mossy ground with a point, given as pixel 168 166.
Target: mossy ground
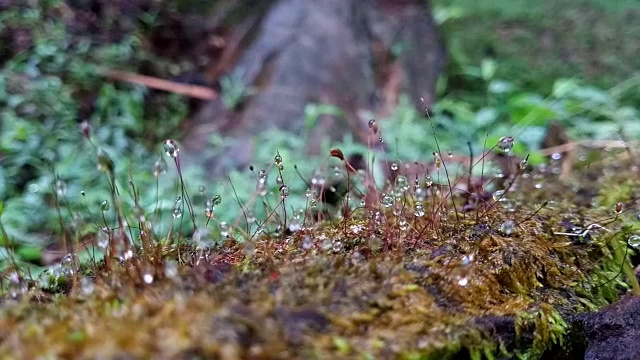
pixel 376 284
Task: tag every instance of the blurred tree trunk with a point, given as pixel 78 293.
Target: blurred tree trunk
pixel 355 54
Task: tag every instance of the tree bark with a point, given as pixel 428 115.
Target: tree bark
pixel 355 54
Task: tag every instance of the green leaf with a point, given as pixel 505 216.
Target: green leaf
pixel 563 87
pixel 488 68
pixel 29 253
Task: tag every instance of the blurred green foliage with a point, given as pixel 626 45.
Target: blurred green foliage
pixel 47 89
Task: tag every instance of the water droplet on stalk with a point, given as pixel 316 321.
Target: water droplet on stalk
pixel 105 206
pixel 224 229
pixel 177 208
pixel 394 167
pixel 387 200
pixel 403 224
pixel 171 148
pixel 499 194
pixel 402 184
pixel 428 181
pixel 373 126
pixel 523 164
pixel 66 265
pixel 634 241
pixel 506 143
pixel 103 238
pixel 418 211
pixel 61 188
pixel 261 186
pixel 284 192
pixel 278 160
pixel 337 246
pixel 313 203
pixel 296 222
pixel 159 167
pixel 437 160
pixel 463 281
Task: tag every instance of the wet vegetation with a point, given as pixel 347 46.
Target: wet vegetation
pixel 413 245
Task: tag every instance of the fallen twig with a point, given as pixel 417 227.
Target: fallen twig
pixel 194 91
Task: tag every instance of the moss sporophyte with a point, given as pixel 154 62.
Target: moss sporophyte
pixel 386 260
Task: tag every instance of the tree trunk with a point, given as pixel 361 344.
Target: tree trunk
pixel 355 54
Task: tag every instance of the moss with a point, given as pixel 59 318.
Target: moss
pixel 378 283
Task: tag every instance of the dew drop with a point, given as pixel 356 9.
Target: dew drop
pixel 66 265
pixel 147 278
pixel 418 210
pixel 284 191
pixel 437 160
pixel 523 164
pixel 224 229
pixel 428 181
pixel 467 260
pixel 394 167
pixel 61 188
pixel 202 190
pixel 337 246
pixel 296 223
pixel 177 208
pixel 159 167
pixel 313 203
pixel 402 184
pixel 103 238
pixel 507 227
pixel 171 148
pixel 307 242
pixel 327 244
pixel 403 224
pixel 17 287
pixel 506 143
pixel 373 126
pixel 171 269
pixel 278 160
pixel 87 286
pixel 127 255
pixel 104 206
pixel 216 200
pixel 463 281
pixel 499 194
pixel 279 180
pixel 138 213
pixel 387 200
pixel 634 241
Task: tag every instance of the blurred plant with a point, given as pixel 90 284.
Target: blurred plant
pixel 234 90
